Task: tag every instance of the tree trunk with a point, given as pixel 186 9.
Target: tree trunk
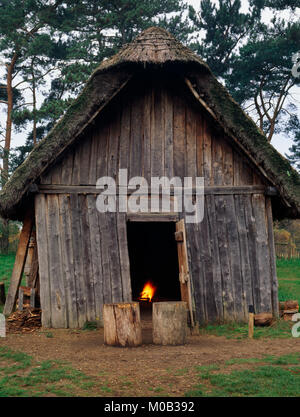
pixel 170 323
pixel 122 324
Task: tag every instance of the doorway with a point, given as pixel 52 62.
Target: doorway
pixel 153 258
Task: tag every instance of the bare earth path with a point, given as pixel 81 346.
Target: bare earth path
pixel 146 366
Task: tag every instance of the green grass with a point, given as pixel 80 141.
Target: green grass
pixel 267 377
pixel 22 376
pixel 288 272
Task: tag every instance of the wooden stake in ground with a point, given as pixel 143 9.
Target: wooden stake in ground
pixel 122 324
pixel 251 322
pixel 170 323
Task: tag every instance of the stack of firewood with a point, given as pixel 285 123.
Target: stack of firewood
pixel 288 309
pixel 27 320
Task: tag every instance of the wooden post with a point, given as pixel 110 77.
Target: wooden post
pixel 2 293
pixel 122 324
pixel 19 264
pixel 20 299
pixel 251 322
pixel 169 323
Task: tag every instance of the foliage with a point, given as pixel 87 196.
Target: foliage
pixel 253 58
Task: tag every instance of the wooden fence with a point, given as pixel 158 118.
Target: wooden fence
pixel 287 250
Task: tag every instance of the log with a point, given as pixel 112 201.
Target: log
pixel 263 319
pixel 122 324
pixel 169 323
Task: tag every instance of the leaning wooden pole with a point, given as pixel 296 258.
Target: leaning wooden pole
pixel 19 264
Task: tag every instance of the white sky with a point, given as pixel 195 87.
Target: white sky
pixel 280 142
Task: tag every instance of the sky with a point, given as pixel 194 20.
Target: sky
pixel 280 142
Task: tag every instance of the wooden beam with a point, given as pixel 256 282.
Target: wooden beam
pixel 152 217
pixel 209 190
pixel 19 264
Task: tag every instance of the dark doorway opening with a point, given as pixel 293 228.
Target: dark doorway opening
pixel 153 257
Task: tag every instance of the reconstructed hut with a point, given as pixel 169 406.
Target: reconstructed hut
pixel 156 109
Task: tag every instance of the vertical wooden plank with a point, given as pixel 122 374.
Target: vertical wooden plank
pixel 41 215
pixel 157 131
pixel 102 150
pixel 78 256
pixel 125 133
pixel 244 237
pixel 168 134
pixel 136 140
pixel 228 176
pixel 252 236
pixel 272 254
pixel 105 251
pixel 147 118
pixel 199 139
pixel 228 295
pixel 217 160
pixel 67 168
pixel 196 270
pixel 205 244
pixel 179 137
pixel 96 256
pixel 93 158
pixel 85 156
pixel 57 286
pixel 215 258
pixel 87 259
pixel 191 146
pixel 207 153
pixel 124 257
pixel 20 259
pixel 68 260
pixel 56 173
pixel 263 261
pixel 114 140
pixel 76 166
pixel 235 256
pixel 115 269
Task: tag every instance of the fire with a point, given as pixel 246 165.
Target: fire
pixel 148 292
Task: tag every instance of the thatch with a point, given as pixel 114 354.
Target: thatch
pixel 155 47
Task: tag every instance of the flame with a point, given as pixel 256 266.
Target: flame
pixel 148 292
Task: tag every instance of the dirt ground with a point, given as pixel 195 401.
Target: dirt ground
pixel 145 366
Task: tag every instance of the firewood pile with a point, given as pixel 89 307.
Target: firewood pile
pixel 288 309
pixel 27 320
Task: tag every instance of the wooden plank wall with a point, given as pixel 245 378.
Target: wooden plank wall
pixel 154 130
pixel 83 259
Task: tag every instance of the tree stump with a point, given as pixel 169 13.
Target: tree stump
pixel 122 324
pixel 169 323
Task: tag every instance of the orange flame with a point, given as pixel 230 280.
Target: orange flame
pixel 148 292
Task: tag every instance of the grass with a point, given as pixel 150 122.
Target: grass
pixel 288 272
pixel 22 376
pixel 267 377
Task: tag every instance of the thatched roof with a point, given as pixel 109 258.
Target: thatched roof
pixel 155 47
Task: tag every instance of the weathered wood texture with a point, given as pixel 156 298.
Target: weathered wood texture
pixel 122 324
pixel 232 260
pixel 83 259
pixel 154 129
pixel 170 323
pixel 18 268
